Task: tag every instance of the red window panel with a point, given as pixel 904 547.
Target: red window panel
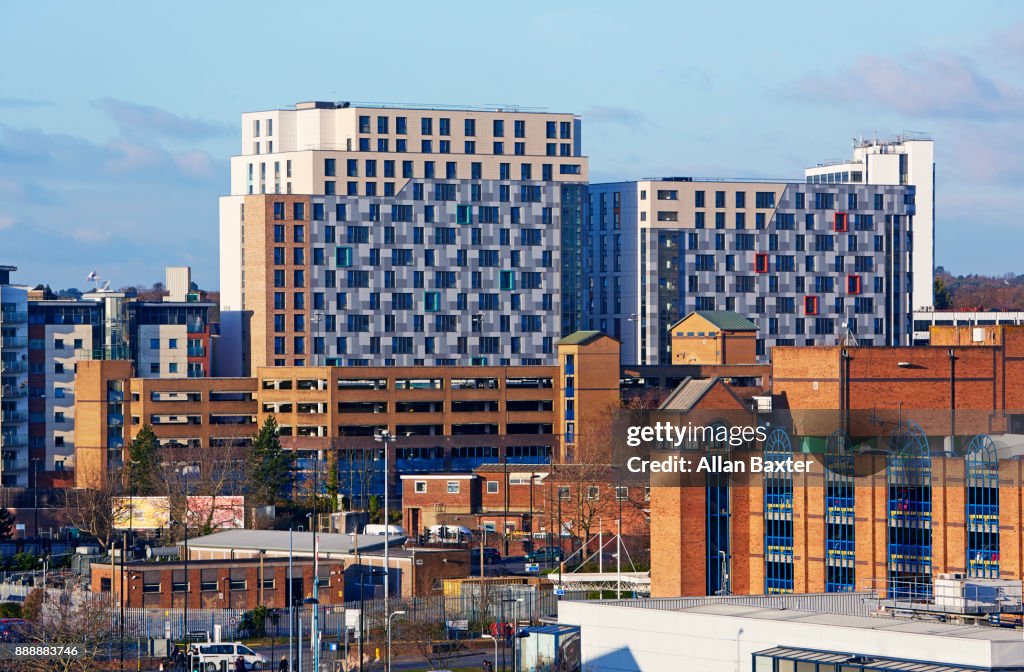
pixel 761 262
pixel 810 305
pixel 853 284
pixel 841 222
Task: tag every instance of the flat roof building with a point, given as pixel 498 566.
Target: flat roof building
pixel 377 236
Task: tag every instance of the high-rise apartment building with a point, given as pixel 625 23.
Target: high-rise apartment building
pixel 14 466
pixel 808 263
pixel 907 160
pixel 373 235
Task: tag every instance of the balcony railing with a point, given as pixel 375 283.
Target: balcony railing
pixel 12 440
pixel 15 465
pixel 14 416
pixel 13 317
pixel 13 391
pixel 13 342
pixel 13 367
pixel 197 352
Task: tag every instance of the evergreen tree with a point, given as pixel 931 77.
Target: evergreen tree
pixel 144 463
pixel 269 465
pixel 943 297
pixel 6 524
pixel 333 483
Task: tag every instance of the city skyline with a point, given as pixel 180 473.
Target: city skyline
pixel 119 169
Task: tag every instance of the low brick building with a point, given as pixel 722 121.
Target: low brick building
pixel 219 584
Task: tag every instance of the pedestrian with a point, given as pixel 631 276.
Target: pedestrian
pixel 283 667
pixel 488 667
pixel 240 664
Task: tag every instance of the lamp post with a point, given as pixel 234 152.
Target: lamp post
pixel 385 437
pixel 492 637
pixel 533 479
pixel 186 470
pixel 515 625
pixel 35 496
pixel 387 665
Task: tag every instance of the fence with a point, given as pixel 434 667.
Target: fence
pixel 503 603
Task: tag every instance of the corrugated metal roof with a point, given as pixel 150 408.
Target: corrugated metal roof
pixel 871 661
pixel 277 541
pixel 689 392
pixel 726 320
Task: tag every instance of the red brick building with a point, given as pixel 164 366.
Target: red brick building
pixel 219 584
pixel 917 471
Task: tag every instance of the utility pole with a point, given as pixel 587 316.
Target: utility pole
pixel 384 437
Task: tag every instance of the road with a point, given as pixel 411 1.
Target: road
pixel 472 659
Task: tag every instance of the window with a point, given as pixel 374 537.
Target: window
pixel 841 222
pixel 593 492
pixel 298 211
pixel 853 284
pixel 810 305
pixel 453 487
pixel 492 487
pixel 741 199
pixel 420 487
pixel 761 263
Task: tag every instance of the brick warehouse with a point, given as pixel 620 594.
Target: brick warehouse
pixel 863 519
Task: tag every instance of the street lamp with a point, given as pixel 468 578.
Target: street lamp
pixel 486 636
pixel 385 437
pixel 35 496
pixel 387 666
pixel 185 471
pixel 515 627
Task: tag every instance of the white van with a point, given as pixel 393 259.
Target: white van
pixel 218 656
pixel 381 530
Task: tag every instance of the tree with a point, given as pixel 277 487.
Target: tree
pixel 430 639
pixel 333 484
pixel 943 297
pixel 95 511
pixel 6 524
pixel 269 465
pixel 143 466
pixel 74 617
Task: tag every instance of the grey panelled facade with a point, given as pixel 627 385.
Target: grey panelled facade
pixel 443 273
pixel 808 263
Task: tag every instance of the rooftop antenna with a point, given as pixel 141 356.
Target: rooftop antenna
pixel 847 337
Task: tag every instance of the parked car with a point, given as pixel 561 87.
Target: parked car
pixel 210 655
pixel 491 555
pixel 12 629
pixel 545 554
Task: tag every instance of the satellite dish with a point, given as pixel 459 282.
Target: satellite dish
pixel 106 285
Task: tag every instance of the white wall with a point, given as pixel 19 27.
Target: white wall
pixel 228 359
pixel 649 640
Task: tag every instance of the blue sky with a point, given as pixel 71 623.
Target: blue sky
pixel 116 119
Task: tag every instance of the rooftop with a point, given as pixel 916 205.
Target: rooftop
pixel 846 610
pixel 344 104
pixel 581 337
pixel 279 541
pixel 726 320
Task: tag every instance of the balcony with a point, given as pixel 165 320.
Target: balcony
pixel 12 440
pixel 13 391
pixel 13 342
pixel 13 317
pixel 115 420
pixel 14 416
pixel 115 397
pixel 197 352
pixel 15 465
pixel 13 367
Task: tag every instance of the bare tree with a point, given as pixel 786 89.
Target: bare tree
pixel 76 618
pixel 96 511
pixel 430 639
pixel 214 477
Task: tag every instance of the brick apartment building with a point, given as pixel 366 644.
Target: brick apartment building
pixel 529 502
